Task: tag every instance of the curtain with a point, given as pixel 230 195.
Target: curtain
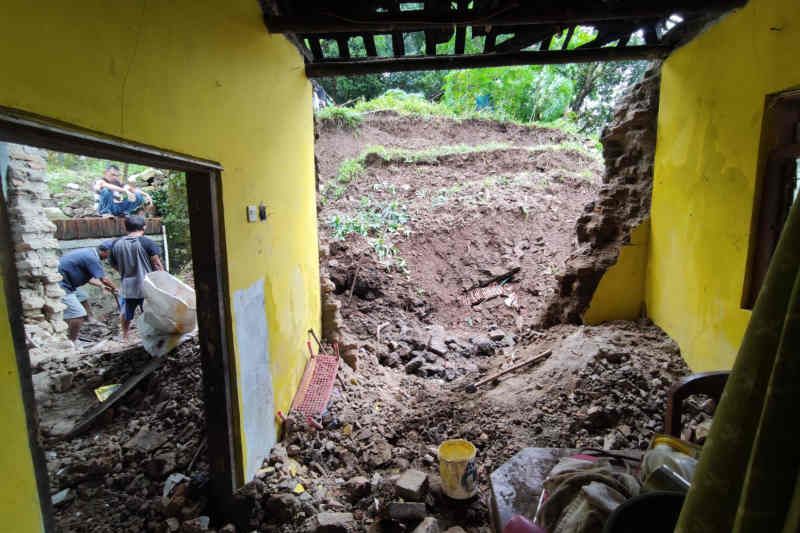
pixel 747 478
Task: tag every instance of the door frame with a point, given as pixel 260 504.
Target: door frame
pixel 209 261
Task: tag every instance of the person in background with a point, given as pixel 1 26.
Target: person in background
pixel 77 268
pixel 134 256
pixel 116 198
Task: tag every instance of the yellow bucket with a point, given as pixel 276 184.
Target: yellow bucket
pixel 457 468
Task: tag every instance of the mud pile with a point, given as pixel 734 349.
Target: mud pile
pixel 601 386
pixel 441 212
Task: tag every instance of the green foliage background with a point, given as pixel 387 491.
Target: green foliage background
pixel 581 93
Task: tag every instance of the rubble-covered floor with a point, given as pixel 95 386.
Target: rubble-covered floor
pixel 602 386
pixel 418 344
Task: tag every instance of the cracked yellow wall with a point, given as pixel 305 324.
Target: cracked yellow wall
pixel 709 124
pixel 19 495
pixel 201 78
pixel 620 293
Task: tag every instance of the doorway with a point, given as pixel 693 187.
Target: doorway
pixel 209 270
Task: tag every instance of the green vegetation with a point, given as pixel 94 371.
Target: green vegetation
pixel 350 170
pixel 341 117
pixel 171 204
pixel 378 223
pixel 579 94
pixel 405 104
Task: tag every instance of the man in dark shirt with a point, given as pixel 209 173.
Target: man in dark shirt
pixel 134 256
pixel 77 268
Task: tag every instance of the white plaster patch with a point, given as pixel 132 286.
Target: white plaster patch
pixel 255 377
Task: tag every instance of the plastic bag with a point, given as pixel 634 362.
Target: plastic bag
pixel 170 313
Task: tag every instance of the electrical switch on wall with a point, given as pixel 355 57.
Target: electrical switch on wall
pixel 252 213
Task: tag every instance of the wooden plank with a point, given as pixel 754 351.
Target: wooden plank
pixel 344 46
pixel 34 130
pixel 369 44
pixel 98 227
pixel 583 55
pixel 207 229
pixel 575 13
pixel 89 417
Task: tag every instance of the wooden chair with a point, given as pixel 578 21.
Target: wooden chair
pixel 708 383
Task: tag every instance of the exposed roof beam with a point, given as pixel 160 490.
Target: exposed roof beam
pixel 331 22
pixel 341 67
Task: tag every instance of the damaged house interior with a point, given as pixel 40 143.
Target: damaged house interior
pixel 458 266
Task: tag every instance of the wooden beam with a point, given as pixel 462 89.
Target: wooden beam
pixel 369 45
pixel 398 45
pixel 461 37
pixel 330 22
pixel 371 66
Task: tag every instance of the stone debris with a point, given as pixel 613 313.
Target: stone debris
pixel 335 523
pixel 36 252
pixel 412 485
pixel 406 511
pixel 428 525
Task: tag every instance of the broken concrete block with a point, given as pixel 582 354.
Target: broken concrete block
pixel 281 507
pixel 429 525
pixel 406 511
pixel 437 342
pixel 497 334
pixel 357 487
pixel 335 523
pixel 414 365
pixel 196 525
pixel 61 381
pixel 146 440
pixel 61 497
pixel 412 485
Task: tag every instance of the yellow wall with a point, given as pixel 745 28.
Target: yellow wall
pixel 712 98
pixel 202 78
pixel 620 294
pixel 19 496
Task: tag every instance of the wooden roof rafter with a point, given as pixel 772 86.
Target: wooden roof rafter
pixel 480 33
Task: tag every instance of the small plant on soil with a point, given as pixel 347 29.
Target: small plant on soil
pixel 377 222
pixel 341 117
pixel 350 170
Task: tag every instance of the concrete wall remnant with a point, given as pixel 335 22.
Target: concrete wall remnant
pixel 623 204
pixel 36 252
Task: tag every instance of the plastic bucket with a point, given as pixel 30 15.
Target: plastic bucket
pixel 457 468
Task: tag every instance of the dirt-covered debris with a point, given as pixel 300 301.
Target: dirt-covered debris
pixel 602 386
pixel 113 477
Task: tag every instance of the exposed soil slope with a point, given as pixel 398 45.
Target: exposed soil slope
pixel 475 199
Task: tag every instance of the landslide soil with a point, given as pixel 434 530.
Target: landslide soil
pixel 473 214
pixel 508 197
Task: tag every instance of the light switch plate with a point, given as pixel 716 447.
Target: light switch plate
pixel 252 213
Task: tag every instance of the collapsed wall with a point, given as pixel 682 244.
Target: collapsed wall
pixel 629 144
pixel 36 251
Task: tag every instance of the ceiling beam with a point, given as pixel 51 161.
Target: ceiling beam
pixel 341 67
pixel 330 22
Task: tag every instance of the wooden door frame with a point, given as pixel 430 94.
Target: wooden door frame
pixel 209 260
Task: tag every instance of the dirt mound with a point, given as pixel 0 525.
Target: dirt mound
pixel 423 223
pixel 602 386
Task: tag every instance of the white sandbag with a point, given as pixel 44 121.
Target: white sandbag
pixel 170 313
pixel 170 306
